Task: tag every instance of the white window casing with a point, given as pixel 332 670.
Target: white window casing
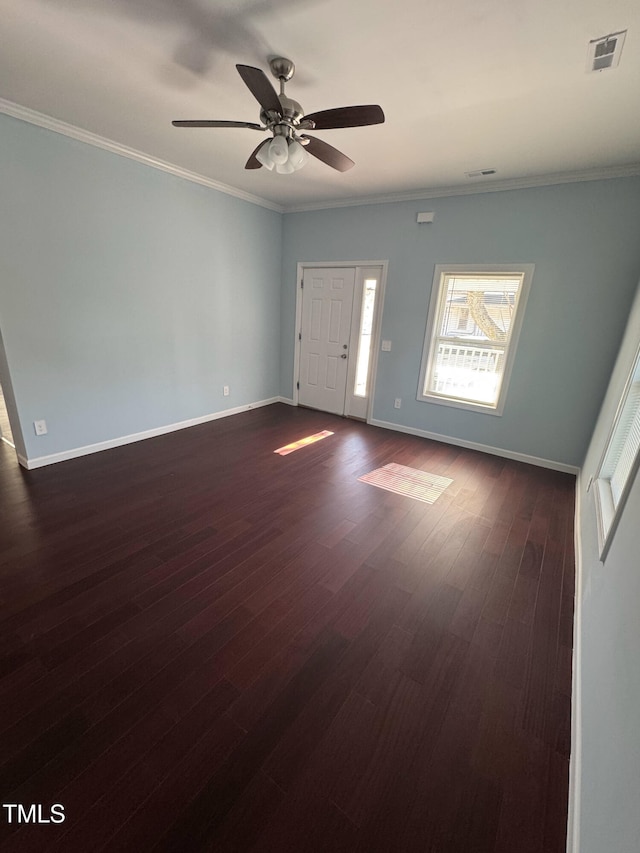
pixel 475 317
pixel 619 462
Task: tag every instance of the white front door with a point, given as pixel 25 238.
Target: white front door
pixel 327 303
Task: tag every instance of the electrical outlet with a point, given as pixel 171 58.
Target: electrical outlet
pixel 225 390
pixel 40 427
pixel 397 403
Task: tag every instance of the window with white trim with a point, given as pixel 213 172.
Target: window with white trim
pixel 474 321
pixel 620 460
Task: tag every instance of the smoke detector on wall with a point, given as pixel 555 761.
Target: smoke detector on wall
pixel 604 52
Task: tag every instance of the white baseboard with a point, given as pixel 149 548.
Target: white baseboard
pixel 63 456
pixel 73 453
pixel 575 765
pixel 483 448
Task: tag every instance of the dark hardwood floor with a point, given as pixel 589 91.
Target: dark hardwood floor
pixel 207 646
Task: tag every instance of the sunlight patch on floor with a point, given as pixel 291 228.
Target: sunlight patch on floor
pixel 303 442
pixel 410 482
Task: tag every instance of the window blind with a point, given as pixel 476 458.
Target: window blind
pixel 625 445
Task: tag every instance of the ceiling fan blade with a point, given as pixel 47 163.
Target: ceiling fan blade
pixel 206 123
pixel 253 162
pixel 346 117
pixel 260 87
pixel 328 154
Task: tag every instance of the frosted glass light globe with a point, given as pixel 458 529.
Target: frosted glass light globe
pixel 279 150
pixel 297 155
pixel 263 157
pixel 284 168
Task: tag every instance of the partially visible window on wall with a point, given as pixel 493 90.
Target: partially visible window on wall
pixel 620 460
pixel 364 338
pixel 474 320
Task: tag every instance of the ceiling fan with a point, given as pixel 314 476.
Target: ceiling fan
pixel 288 148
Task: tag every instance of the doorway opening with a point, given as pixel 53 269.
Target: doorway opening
pixel 338 320
pixel 8 414
pixel 5 427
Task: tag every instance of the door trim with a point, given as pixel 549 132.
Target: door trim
pixel 377 323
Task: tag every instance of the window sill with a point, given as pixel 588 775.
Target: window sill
pixel 461 404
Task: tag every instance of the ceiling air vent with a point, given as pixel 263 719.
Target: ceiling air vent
pixel 480 173
pixel 605 51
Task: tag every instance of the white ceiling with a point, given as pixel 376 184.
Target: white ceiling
pixel 465 85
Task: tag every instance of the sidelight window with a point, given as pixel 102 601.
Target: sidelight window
pixel 364 337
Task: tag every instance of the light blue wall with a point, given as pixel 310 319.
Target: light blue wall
pixel 583 240
pixel 609 675
pixel 128 297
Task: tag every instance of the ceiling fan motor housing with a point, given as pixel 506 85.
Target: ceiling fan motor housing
pixel 291 109
pixel 288 121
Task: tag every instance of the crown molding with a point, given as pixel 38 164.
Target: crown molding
pixel 57 126
pixel 606 173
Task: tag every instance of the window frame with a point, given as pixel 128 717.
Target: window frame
pixel 608 513
pixel 440 275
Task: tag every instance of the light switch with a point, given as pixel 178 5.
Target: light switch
pixel 386 346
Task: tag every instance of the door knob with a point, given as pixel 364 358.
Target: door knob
pixel 344 355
